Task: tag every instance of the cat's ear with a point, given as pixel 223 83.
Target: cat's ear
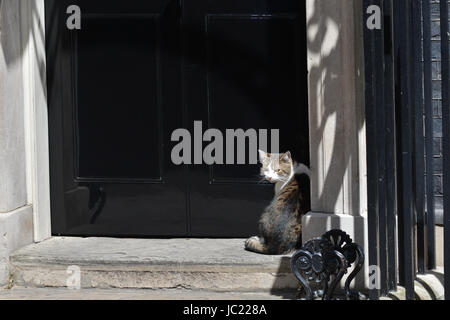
pixel 262 155
pixel 286 157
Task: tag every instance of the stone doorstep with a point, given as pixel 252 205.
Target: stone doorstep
pixel 18 293
pixel 195 264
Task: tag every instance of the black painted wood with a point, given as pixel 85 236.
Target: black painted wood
pixel 138 70
pixel 248 72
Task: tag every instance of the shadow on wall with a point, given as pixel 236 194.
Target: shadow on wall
pixel 333 93
pixel 22 17
pixel 336 127
pixel 337 121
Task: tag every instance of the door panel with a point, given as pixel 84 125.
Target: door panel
pixel 105 46
pixel 110 94
pixel 137 71
pixel 247 70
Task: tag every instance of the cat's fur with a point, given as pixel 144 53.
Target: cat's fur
pixel 281 223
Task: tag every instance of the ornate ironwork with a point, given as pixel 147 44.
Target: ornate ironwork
pixel 325 261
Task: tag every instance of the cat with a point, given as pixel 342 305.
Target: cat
pixel 280 225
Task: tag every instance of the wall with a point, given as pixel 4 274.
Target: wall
pixel 337 120
pixel 437 109
pixel 15 213
pixel 336 106
pixel 24 187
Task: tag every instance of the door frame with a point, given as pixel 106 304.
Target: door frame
pixel 32 16
pixel 34 68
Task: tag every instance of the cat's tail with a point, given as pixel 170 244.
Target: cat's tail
pixel 256 245
pixel 302 169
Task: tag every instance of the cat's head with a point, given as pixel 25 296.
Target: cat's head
pixel 276 167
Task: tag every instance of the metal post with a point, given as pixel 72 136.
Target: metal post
pixel 380 113
pixel 389 101
pixel 429 134
pixel 405 134
pixel 372 92
pixel 446 139
pixel 419 156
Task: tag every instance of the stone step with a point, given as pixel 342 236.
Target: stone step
pixel 218 265
pixel 19 293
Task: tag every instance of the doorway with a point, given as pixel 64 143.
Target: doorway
pixel 137 71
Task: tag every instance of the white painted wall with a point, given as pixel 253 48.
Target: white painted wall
pixel 13 190
pixel 336 106
pixel 24 174
pixel 337 122
pixel 36 114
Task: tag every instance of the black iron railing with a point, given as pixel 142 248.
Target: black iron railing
pixel 445 65
pixel 399 116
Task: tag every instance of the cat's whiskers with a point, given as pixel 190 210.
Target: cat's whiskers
pixel 262 179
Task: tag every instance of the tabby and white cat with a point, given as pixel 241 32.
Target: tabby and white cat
pixel 280 226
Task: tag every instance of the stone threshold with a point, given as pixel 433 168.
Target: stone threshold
pixel 220 265
pixel 21 293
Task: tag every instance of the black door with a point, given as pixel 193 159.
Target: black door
pixel 139 70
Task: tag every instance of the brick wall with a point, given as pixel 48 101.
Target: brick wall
pixel 437 104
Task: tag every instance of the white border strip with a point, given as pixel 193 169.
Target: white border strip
pixel 32 13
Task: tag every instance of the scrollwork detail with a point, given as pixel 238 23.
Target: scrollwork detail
pixel 325 260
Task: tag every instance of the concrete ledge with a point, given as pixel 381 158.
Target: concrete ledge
pixel 197 264
pixel 16 231
pixel 136 294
